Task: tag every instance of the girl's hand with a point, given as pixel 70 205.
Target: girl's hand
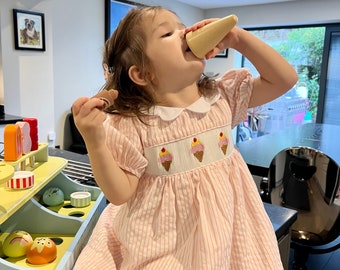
pixel 225 43
pixel 89 119
pixel 199 24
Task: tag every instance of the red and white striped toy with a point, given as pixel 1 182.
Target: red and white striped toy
pixel 21 180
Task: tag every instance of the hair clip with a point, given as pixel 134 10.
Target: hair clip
pixel 107 68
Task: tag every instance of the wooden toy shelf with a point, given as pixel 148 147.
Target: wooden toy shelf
pixel 31 159
pixel 22 209
pixel 45 169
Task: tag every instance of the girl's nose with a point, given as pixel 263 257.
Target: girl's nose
pixel 182 33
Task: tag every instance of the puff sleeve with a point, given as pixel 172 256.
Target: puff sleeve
pixel 236 87
pixel 125 145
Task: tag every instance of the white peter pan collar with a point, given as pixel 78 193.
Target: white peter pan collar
pixel 202 105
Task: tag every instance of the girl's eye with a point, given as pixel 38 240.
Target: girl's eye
pixel 167 34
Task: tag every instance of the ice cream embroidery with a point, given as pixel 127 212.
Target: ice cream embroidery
pixel 197 149
pixel 165 157
pixel 223 142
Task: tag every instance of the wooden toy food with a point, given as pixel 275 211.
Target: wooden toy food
pixel 204 39
pixel 12 142
pixel 21 180
pixel 108 96
pixel 25 136
pixel 42 250
pixel 53 196
pixel 80 198
pixel 15 244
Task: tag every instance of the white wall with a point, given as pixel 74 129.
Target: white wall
pixel 187 14
pixel 44 84
pixel 78 39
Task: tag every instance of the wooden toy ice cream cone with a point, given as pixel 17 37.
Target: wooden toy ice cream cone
pixel 204 39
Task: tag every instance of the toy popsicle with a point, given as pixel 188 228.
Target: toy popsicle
pixel 204 39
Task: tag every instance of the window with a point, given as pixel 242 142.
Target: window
pixel 329 102
pixel 114 12
pixel 314 51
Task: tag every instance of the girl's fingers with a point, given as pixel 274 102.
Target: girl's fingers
pixel 86 105
pixel 199 24
pixel 78 104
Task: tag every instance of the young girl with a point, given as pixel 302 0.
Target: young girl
pixel 181 195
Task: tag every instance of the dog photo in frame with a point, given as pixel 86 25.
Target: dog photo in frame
pixel 29 30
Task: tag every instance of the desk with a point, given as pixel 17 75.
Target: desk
pixel 259 152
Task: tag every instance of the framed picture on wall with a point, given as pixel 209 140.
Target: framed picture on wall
pixel 29 30
pixel 114 12
pixel 223 53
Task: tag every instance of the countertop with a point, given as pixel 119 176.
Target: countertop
pixel 259 152
pixel 9 119
pixel 282 218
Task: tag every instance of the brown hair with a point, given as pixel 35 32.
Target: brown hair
pixel 126 47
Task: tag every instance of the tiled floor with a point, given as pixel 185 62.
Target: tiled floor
pixel 328 261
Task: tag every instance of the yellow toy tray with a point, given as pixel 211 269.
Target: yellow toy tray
pixel 6 172
pixel 45 169
pixel 67 209
pixel 62 242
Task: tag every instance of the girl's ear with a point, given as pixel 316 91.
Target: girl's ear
pixel 136 76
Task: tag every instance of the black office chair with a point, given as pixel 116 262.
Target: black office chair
pixel 307 180
pixel 76 142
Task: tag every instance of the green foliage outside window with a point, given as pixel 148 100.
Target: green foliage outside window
pixel 303 48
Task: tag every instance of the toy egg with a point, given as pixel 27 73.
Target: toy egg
pixel 53 196
pixel 15 244
pixel 41 251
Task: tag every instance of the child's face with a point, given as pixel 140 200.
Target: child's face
pixel 174 66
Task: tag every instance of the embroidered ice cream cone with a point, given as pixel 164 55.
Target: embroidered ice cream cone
pixel 204 39
pixel 223 142
pixel 197 149
pixel 224 149
pixel 199 155
pixel 166 165
pixel 165 157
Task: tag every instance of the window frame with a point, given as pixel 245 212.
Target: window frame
pixel 324 70
pixel 329 28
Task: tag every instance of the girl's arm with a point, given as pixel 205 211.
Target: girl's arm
pixel 276 77
pixel 117 184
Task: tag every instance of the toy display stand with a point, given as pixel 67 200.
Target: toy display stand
pixel 68 226
pixel 6 172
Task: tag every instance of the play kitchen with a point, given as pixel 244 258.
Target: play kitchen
pixel 45 216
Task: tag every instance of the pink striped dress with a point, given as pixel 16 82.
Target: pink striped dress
pixel 196 205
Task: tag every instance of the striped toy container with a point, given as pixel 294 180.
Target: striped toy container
pixel 21 180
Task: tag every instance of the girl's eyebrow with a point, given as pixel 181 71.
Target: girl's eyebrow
pixel 180 24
